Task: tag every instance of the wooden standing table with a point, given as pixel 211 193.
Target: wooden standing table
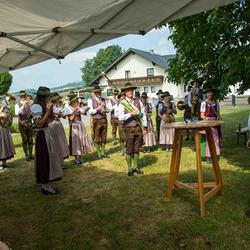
pixel 196 188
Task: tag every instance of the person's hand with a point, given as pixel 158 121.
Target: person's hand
pixel 133 113
pixel 170 111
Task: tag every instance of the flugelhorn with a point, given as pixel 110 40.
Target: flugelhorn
pixel 181 105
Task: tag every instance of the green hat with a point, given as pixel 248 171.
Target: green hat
pixel 43 91
pixel 128 86
pixel 73 98
pixel 55 96
pixel 22 93
pixel 97 89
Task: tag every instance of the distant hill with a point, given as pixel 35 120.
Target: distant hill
pixel 71 85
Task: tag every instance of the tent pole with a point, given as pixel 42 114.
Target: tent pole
pixel 3 34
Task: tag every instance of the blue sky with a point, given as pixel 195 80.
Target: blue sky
pixel 51 73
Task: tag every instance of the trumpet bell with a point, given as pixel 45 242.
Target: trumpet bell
pixel 181 105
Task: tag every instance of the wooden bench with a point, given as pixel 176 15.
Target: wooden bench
pixel 243 132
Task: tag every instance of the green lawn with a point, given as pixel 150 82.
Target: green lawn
pixel 99 207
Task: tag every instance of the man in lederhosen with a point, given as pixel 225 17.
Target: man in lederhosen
pixel 195 97
pixel 113 119
pixel 98 112
pixel 22 110
pixel 121 96
pixel 157 118
pixel 131 111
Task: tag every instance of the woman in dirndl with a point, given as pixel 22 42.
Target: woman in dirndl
pixel 210 110
pixel 7 149
pixel 149 137
pixel 79 141
pixel 58 129
pixel 166 111
pixel 48 166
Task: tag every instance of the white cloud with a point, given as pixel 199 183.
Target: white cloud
pixel 164 46
pixel 163 41
pixel 79 56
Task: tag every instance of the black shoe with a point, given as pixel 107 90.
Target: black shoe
pixel 31 157
pixel 247 213
pixel 137 171
pixel 47 192
pixel 28 158
pixel 130 173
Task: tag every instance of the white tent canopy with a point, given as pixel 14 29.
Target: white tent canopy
pixel 32 31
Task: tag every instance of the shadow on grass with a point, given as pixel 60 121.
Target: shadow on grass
pixel 128 212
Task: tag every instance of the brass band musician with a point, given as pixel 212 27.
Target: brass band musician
pixel 195 97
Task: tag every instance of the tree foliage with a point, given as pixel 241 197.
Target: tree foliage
pixel 5 82
pixel 214 46
pixel 103 59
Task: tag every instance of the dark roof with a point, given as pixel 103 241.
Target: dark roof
pixel 155 58
pixel 161 60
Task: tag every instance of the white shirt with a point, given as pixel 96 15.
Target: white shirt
pixel 123 117
pixel 92 110
pixel 18 109
pixel 110 106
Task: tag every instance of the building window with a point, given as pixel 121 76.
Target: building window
pixel 127 74
pixel 146 89
pixel 138 89
pixel 109 92
pixel 153 89
pixel 150 72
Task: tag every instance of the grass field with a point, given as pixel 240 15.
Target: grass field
pixel 99 207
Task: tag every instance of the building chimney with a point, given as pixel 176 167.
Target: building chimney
pixel 151 51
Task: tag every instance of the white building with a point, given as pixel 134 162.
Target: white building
pixel 143 69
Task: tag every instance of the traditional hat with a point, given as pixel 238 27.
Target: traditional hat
pixel 196 80
pixel 55 96
pixel 22 93
pixel 128 86
pixel 160 92
pixel 144 95
pixel 43 91
pixel 73 98
pixel 97 89
pixel 137 94
pixel 166 93
pixel 208 89
pixel 116 91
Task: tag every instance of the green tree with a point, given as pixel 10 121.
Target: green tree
pixel 103 59
pixel 214 46
pixel 5 82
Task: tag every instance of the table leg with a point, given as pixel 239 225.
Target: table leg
pixel 172 165
pixel 178 155
pixel 214 158
pixel 199 173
